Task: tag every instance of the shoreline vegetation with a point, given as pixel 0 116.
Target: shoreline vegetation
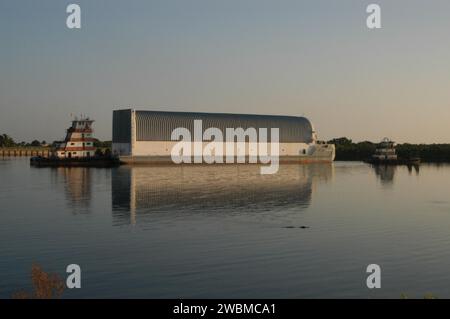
pixel 346 149
pixel 10 147
pixel 7 141
pixel 45 285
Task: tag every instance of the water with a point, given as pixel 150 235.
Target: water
pixel 226 231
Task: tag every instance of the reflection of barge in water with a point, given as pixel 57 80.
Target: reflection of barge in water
pixel 385 154
pixel 139 191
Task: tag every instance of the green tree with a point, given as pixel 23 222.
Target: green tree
pixel 340 141
pixel 6 141
pixel 35 143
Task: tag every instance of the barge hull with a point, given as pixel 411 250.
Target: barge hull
pixel 167 160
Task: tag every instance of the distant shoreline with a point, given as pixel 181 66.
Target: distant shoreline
pixel 346 150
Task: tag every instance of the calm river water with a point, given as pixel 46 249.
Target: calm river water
pixel 226 231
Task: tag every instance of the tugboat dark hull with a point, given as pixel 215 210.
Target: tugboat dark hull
pixel 74 162
pixel 399 161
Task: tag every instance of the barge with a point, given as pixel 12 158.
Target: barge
pixel 147 137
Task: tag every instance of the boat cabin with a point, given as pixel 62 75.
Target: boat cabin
pixel 385 151
pixel 79 141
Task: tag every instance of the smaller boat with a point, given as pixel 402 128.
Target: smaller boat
pixel 385 154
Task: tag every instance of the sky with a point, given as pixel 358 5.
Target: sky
pixel 312 58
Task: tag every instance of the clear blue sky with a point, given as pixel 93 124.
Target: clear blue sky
pixel 315 58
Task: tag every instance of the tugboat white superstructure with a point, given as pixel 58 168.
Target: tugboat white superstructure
pixel 79 141
pixel 385 151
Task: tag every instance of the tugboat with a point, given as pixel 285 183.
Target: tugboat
pixel 77 149
pixel 385 154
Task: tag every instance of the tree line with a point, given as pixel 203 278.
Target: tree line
pixel 8 141
pixel 347 150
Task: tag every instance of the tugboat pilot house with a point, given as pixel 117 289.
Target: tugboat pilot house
pixel 79 142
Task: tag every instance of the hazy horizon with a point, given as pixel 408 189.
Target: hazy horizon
pixel 301 58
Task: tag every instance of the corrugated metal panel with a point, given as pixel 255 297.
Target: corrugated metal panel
pixel 158 126
pixel 121 126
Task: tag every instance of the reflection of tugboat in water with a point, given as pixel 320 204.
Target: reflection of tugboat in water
pixel 385 154
pixel 77 149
